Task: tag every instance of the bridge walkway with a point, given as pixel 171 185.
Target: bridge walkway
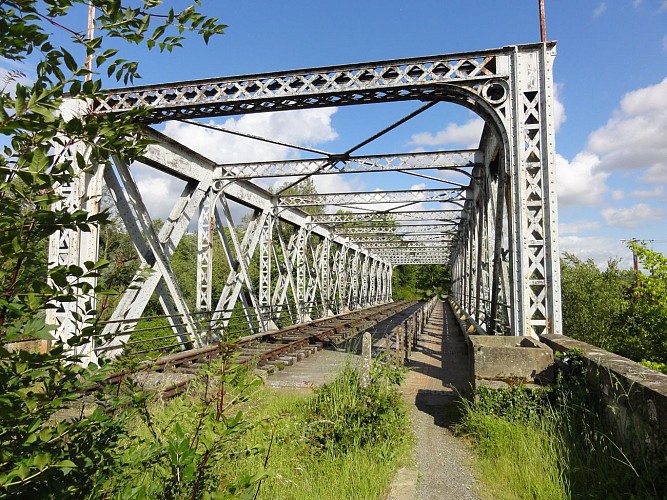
pixel 438 369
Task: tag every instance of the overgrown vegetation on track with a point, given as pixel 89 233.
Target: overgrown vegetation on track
pixel 342 441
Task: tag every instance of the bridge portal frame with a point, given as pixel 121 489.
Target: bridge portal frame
pixel 504 261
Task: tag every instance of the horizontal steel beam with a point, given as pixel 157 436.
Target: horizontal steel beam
pixel 381 81
pixel 380 238
pixel 388 217
pixel 400 230
pixel 372 197
pixel 443 160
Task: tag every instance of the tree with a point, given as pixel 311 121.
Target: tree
pixel 616 309
pixel 592 299
pixel 644 324
pixel 42 456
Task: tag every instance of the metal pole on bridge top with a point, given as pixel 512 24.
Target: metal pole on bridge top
pixel 543 24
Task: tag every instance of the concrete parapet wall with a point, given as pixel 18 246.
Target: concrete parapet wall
pixel 635 396
pixel 501 358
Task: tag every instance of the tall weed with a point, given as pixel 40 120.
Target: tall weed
pixel 344 415
pixel 555 443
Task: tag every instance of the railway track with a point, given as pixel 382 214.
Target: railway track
pixel 268 350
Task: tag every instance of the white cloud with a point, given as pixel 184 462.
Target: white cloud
pixel 453 134
pixel 599 10
pixel 577 227
pixel 632 217
pixel 559 108
pixel 656 192
pixel 578 181
pixel 635 136
pixel 159 191
pixel 598 248
pixel 655 175
pixel 299 127
pixel 617 195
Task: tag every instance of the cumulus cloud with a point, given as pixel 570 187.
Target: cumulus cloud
pixel 578 181
pixel 466 135
pixel 577 227
pixel 559 107
pixel 632 217
pixel 159 191
pixel 598 248
pixel 635 136
pixel 656 192
pixel 299 127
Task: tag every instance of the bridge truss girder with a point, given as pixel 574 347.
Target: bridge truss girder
pixel 503 254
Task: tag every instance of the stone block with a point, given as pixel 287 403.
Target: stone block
pixel 503 358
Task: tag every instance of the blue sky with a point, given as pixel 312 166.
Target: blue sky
pixel 611 76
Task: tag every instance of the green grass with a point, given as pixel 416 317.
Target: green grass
pixel 555 444
pixel 341 441
pixel 330 445
pixel 516 460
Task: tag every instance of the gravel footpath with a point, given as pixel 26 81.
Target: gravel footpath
pixel 442 460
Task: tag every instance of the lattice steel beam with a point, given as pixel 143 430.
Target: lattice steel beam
pixel 383 217
pixel 444 227
pixel 455 161
pixel 382 81
pixel 365 198
pixel 365 241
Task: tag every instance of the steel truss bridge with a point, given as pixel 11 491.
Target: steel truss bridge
pixel 493 220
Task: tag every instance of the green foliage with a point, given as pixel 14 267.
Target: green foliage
pixel 615 309
pixel 563 436
pixel 295 465
pixel 653 365
pixel 593 300
pixel 344 415
pixel 410 282
pixel 177 450
pixel 51 444
pixel 516 403
pixel 516 460
pixel 44 453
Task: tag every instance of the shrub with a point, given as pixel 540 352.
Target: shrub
pixel 344 415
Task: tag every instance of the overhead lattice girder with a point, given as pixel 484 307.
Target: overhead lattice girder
pixel 411 196
pixel 382 81
pixel 399 239
pixel 417 261
pixel 399 229
pixel 443 160
pixel 388 217
pixel 379 246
